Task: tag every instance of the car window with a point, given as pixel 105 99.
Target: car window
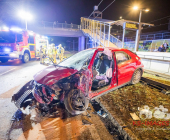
pixel 31 39
pixel 122 57
pixel 78 60
pixel 19 37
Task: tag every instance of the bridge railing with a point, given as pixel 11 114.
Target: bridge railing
pixel 99 32
pixel 56 25
pixel 113 39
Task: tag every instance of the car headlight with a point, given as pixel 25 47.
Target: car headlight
pixel 7 50
pixel 13 54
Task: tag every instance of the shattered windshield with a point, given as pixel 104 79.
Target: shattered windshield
pixel 7 37
pixel 78 60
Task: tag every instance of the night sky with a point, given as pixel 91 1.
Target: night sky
pixel 71 11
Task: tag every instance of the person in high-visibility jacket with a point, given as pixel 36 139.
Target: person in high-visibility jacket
pixel 50 51
pixel 41 55
pixel 60 52
pixel 54 54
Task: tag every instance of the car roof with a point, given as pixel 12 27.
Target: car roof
pixel 111 48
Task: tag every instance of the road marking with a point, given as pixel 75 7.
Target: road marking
pixel 7 71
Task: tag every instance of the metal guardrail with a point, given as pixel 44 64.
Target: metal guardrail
pixel 147 45
pixel 156 36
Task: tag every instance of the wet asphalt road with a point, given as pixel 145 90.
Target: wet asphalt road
pixel 13 75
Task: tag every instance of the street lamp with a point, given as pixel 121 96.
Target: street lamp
pixel 135 7
pixel 142 9
pixel 26 16
pixel 139 30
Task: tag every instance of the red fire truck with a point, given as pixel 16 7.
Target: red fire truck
pixel 20 44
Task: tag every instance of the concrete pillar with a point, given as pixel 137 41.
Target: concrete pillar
pixel 87 39
pixel 81 43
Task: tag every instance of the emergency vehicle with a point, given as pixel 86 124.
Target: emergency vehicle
pixel 20 44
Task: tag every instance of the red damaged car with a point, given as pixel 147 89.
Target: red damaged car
pixel 78 79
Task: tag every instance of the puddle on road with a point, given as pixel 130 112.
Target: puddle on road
pixel 81 127
pixel 52 128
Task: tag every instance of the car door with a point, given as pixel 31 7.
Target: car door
pixel 112 73
pixel 85 82
pixel 124 67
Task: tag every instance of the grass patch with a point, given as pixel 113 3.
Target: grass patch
pixel 157 78
pixel 127 100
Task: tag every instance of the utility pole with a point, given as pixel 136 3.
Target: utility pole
pixel 138 32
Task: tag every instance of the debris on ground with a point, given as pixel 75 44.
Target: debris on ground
pixel 88 108
pixel 113 130
pixel 86 122
pixel 80 127
pixel 134 116
pixel 128 99
pixel 17 116
pixel 102 113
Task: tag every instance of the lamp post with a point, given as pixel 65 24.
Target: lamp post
pixel 26 16
pixel 140 26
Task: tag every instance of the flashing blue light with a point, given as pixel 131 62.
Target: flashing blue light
pixel 16 29
pixel 7 50
pixel 5 28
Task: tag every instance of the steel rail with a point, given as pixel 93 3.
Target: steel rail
pixel 157 85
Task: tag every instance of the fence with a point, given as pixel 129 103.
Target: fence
pixel 54 25
pixel 147 45
pixel 156 36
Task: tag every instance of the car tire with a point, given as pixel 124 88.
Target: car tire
pixel 136 76
pixel 25 58
pixel 68 102
pixel 4 60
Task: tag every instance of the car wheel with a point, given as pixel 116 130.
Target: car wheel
pixel 4 60
pixel 25 58
pixel 136 76
pixel 75 102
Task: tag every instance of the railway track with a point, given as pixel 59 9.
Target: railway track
pixel 154 84
pixel 86 126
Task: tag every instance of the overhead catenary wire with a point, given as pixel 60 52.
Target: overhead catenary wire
pixel 106 7
pixel 156 26
pixel 159 19
pixel 98 6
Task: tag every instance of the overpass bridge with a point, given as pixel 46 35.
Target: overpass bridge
pixel 98 31
pixel 61 30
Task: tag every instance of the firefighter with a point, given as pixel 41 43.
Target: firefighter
pixel 54 54
pixel 60 52
pixel 50 51
pixel 41 55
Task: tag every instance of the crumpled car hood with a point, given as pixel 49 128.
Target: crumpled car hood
pixel 52 74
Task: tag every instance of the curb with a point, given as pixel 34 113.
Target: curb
pixel 125 132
